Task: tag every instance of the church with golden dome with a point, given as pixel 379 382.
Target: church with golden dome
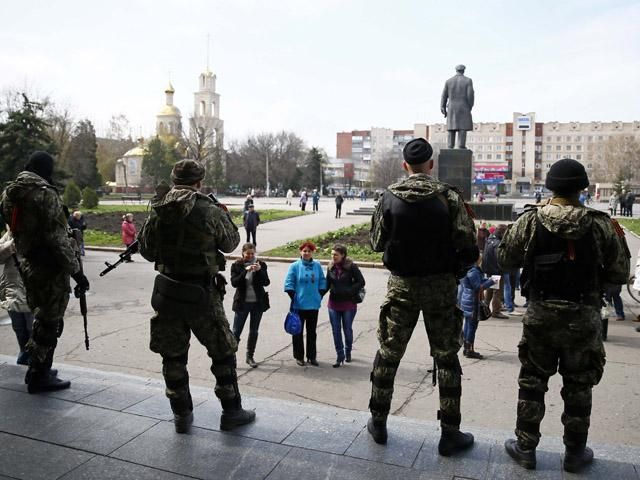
pixel 205 126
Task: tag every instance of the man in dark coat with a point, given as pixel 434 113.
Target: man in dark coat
pixel 456 104
pixel 251 221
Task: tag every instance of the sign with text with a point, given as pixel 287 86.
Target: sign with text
pixel 523 123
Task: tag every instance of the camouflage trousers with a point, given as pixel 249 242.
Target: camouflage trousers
pixel 47 296
pixel 564 337
pixel 170 337
pixel 435 297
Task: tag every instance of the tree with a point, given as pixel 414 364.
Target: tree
pixel 247 160
pixel 23 131
pixel 89 198
pixel 315 162
pixel 117 142
pixel 72 194
pixel 158 161
pixel 386 170
pixel 82 159
pixel 620 162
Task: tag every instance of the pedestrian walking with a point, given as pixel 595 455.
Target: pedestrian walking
pixel 344 282
pixel 339 202
pixel 612 296
pixel 184 235
pixel 13 297
pixel 472 284
pixel 251 220
pixel 613 204
pixel 303 200
pixel 248 201
pixel 249 277
pixel 306 284
pixel 42 238
pixel 630 199
pixel 315 198
pixel 128 229
pixel 289 196
pixel 424 229
pixel 569 253
pixel 481 236
pixel 622 200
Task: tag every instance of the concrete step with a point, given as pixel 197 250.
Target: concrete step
pixel 109 425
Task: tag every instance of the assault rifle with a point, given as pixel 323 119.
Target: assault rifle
pixel 80 292
pixel 124 257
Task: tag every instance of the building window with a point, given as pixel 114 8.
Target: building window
pixel 479 156
pixel 547 165
pixel 498 148
pixel 558 138
pixel 590 138
pixel 549 156
pixel 489 156
pixel 568 138
pixel 548 148
pixel 568 148
pixel 578 138
pixel 498 156
pixel 578 157
pixel 548 139
pixel 558 147
pixel 579 147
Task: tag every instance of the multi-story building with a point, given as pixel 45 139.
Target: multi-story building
pixel 358 149
pixel 519 153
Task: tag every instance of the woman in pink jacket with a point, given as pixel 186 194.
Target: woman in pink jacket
pixel 128 231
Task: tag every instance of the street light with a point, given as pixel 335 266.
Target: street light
pixel 267 169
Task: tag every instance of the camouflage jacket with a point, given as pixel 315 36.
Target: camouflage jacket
pixel 416 188
pixel 37 219
pixel 570 221
pixel 185 233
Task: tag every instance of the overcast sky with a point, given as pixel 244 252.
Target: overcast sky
pixel 323 66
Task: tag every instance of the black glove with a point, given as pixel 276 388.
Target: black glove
pixel 291 293
pixel 82 283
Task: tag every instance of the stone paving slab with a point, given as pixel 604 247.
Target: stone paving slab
pixel 42 436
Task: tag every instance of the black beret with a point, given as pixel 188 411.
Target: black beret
pixel 417 151
pixel 566 176
pixel 40 163
pixel 187 172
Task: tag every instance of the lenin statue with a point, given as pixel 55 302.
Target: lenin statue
pixel 456 105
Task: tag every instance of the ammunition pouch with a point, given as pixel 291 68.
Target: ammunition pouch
pixel 175 298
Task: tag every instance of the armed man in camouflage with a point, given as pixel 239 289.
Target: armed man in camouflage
pixel 426 233
pixel 183 236
pixel 570 255
pixel 38 222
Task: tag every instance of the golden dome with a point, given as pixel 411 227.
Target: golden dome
pixel 169 110
pixel 136 152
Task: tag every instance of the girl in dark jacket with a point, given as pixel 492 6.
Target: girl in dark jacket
pixel 470 285
pixel 249 277
pixel 344 282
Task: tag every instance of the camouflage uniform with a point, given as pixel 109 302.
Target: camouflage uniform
pixel 561 335
pixel 183 236
pixel 42 236
pixel 434 295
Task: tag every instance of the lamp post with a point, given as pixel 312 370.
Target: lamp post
pixel 267 169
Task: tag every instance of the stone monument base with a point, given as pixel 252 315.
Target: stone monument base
pixel 453 166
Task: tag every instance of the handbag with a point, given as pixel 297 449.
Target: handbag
pixel 292 323
pixel 266 305
pixel 360 295
pixel 484 310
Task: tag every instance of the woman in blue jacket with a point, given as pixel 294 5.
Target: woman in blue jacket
pixel 470 285
pixel 306 284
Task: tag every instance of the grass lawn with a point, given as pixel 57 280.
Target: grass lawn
pixel 104 222
pixel 632 224
pixel 355 238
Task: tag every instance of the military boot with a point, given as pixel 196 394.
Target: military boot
pixel 465 349
pixel 524 457
pixel 182 413
pixel 453 441
pixel 44 381
pixel 471 353
pixel 233 415
pixel 576 459
pixel 377 427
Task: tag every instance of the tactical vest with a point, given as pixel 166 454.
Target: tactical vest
pixel 184 247
pixel 562 269
pixel 420 237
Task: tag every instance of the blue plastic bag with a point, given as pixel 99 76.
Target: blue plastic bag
pixel 292 323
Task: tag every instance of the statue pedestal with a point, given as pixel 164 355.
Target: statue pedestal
pixel 454 166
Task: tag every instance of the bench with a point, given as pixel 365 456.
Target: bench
pixel 131 198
